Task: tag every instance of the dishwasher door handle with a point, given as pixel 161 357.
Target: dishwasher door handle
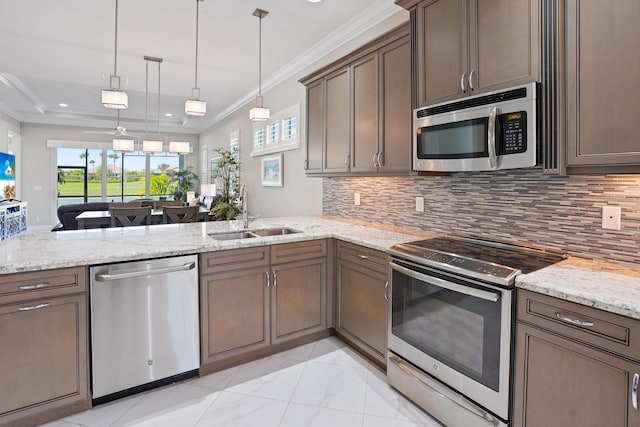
pixel 141 273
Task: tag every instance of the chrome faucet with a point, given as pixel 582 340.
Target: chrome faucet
pixel 243 196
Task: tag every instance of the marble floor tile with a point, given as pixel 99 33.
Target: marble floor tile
pixel 178 405
pixel 272 378
pixel 311 416
pixel 332 351
pixel 383 401
pixel 240 410
pixel 336 387
pixel 320 384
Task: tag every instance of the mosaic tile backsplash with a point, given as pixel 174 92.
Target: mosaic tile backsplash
pixel 522 205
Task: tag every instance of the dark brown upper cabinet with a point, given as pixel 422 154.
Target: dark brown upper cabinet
pixel 468 47
pixel 359 110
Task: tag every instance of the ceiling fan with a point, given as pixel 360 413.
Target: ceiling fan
pixel 117 131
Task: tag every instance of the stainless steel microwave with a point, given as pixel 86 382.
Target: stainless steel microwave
pixel 492 131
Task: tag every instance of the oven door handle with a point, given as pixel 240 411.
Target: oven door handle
pixel 478 293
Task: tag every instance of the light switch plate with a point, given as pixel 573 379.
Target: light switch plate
pixel 611 217
pixel 356 199
pixel 419 204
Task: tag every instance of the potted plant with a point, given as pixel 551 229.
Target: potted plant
pixel 226 172
pixel 183 181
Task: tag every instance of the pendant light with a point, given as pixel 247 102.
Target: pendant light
pixel 195 106
pixel 114 97
pixel 152 145
pixel 259 113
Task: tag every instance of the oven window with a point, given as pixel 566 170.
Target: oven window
pixel 459 140
pixel 459 330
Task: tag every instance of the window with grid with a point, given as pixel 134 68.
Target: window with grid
pixel 279 133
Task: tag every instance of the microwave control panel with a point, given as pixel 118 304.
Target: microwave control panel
pixel 514 132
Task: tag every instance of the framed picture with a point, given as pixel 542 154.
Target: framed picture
pixel 271 171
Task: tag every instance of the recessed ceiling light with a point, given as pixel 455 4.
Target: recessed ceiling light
pixel 314 1
pixel 63 105
pixel 168 115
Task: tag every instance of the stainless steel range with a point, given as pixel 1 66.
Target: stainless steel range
pixel 451 320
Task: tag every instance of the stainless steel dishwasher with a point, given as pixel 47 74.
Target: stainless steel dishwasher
pixel 144 325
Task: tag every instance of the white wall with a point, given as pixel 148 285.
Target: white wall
pixel 7 124
pixel 299 195
pixel 39 181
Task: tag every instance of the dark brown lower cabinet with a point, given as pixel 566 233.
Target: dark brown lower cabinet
pixel 43 349
pixel 567 374
pixel 362 302
pixel 254 298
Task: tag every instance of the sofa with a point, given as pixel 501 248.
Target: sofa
pixel 67 214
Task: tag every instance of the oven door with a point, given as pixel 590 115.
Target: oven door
pixel 457 330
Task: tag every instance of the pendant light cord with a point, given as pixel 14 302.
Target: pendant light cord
pixel 197 21
pixel 146 98
pixel 158 97
pixel 115 54
pixel 259 57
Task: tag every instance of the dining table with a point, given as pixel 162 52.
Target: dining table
pixel 100 219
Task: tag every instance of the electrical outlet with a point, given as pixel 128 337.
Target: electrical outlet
pixel 356 199
pixel 611 217
pixel 419 204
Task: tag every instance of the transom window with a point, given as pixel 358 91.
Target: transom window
pixel 280 133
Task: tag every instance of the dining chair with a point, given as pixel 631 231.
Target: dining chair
pixel 162 203
pixel 177 214
pixel 125 217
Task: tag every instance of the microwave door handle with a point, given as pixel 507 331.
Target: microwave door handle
pixel 491 136
pixel 467 290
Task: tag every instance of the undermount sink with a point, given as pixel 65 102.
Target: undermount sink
pixel 232 235
pixel 275 232
pixel 267 232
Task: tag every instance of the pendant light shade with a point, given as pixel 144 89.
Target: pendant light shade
pixel 179 147
pixel 152 146
pixel 123 145
pixel 195 106
pixel 259 113
pixel 114 97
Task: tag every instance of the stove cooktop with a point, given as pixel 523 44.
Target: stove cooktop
pixel 489 260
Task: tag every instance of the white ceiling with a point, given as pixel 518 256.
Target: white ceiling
pixel 62 51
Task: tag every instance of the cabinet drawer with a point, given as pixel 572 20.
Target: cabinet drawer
pixel 369 258
pixel 234 259
pixel 288 252
pixel 42 284
pixel 590 325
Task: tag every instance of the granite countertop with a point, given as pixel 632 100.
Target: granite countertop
pixel 606 286
pixel 602 285
pixel 48 250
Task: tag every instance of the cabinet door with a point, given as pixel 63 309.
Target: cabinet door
pixel 315 126
pixel 603 94
pixel 561 383
pixel 504 42
pixel 337 122
pixel 395 106
pixel 43 361
pixel 442 57
pixel 365 114
pixel 362 307
pixel 298 295
pixel 234 309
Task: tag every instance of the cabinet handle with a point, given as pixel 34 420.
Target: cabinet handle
pixel 573 321
pixel 386 296
pixel 634 391
pixel 34 307
pixel 375 164
pixel 379 159
pixel 275 279
pixel 305 166
pixel 266 273
pixel 471 79
pixel 361 256
pixel 29 287
pixel 462 82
